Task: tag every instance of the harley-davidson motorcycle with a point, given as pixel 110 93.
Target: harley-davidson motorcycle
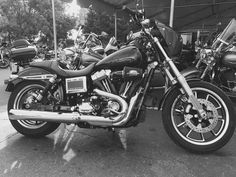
pixel 112 93
pixel 217 63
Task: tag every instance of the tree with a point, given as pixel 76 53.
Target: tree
pixel 24 18
pixel 97 22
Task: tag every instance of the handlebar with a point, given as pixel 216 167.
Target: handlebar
pixel 128 10
pixel 136 16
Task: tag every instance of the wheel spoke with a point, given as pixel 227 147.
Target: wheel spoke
pixel 195 94
pixel 207 97
pixel 213 132
pixel 203 138
pixel 222 126
pixel 189 133
pixel 181 124
pixel 177 110
pixel 219 107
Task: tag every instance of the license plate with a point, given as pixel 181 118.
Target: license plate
pixel 76 85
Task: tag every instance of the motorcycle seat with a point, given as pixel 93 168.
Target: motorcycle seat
pixel 56 67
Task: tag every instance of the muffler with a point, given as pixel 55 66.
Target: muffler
pixel 74 117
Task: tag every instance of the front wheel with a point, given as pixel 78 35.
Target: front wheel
pixel 187 129
pixel 4 63
pixel 20 98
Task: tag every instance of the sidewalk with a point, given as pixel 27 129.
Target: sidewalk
pixel 6 129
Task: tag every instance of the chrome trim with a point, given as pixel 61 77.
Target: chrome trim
pixel 152 108
pixel 13 76
pixel 106 85
pixel 131 107
pixel 101 74
pixel 38 77
pixel 127 87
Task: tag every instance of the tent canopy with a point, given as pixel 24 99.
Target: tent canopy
pixel 188 14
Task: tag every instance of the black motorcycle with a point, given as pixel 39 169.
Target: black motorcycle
pixel 112 94
pixel 217 64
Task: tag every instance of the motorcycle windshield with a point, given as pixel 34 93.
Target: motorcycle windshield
pixel 226 37
pixel 172 39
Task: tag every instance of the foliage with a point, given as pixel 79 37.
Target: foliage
pixel 100 21
pixel 24 18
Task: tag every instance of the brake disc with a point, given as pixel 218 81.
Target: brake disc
pixel 203 125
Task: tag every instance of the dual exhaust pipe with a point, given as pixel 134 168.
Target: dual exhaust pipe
pixel 75 117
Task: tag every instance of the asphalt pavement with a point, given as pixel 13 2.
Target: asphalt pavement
pixel 142 151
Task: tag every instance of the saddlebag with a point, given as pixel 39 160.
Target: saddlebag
pixel 22 52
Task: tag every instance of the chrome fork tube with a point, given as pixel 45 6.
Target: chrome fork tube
pixel 1 55
pixel 198 63
pixel 204 72
pixel 182 81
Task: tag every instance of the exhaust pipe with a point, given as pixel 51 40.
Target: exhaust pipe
pixel 75 117
pixel 17 114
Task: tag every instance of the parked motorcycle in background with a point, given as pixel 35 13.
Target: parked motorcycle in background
pixel 4 56
pixel 88 49
pixel 217 63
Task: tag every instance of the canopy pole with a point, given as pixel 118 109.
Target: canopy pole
pixel 116 24
pixel 172 7
pixel 54 29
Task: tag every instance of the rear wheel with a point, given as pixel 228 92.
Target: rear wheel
pixel 187 129
pixel 20 99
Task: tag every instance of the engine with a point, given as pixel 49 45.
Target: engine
pixel 94 104
pixel 119 82
pixel 111 92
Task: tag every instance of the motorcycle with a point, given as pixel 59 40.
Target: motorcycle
pixel 87 51
pixel 4 60
pixel 112 93
pixel 217 63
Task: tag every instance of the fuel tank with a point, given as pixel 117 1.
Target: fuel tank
pixel 88 58
pixel 229 59
pixel 128 56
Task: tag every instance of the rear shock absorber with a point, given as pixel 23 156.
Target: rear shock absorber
pixel 51 82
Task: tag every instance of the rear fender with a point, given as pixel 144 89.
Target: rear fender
pixel 30 73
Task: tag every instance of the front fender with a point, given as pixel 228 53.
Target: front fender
pixel 30 72
pixel 170 89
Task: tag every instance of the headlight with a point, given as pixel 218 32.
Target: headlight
pixel 205 53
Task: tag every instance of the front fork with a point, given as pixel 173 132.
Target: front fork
pixel 182 81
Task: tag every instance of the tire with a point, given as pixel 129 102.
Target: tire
pixel 4 63
pixel 182 124
pixel 28 127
